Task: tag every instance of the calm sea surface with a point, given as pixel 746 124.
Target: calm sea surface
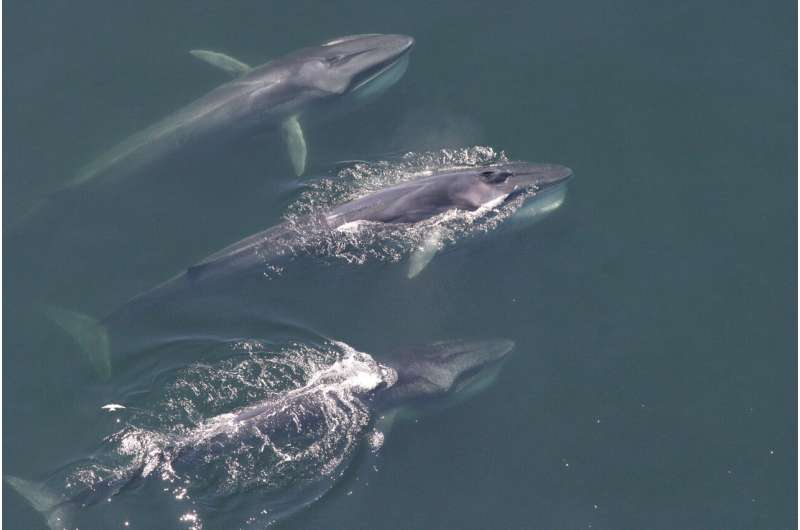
pixel 653 384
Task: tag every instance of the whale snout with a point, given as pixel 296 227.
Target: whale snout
pixel 392 45
pixel 548 174
pixel 389 48
pixel 540 175
pixel 403 43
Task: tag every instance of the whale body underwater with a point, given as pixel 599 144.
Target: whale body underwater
pixel 541 187
pixel 302 425
pixel 283 93
pixel 309 433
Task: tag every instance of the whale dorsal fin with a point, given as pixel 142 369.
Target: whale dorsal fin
pixel 201 269
pixel 227 63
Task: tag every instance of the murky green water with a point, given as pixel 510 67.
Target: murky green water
pixel 653 382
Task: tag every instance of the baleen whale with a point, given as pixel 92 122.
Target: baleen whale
pixel 298 443
pixel 281 94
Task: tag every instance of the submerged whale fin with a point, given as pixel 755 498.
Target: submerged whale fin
pixel 227 63
pixel 43 501
pixel 381 428
pixel 385 422
pixel 296 144
pixel 90 335
pixel 425 252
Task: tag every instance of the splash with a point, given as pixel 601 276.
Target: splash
pixel 306 232
pixel 281 425
pixel 362 242
pixel 363 178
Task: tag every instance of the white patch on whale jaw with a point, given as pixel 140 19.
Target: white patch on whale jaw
pixel 382 80
pixel 351 227
pixel 476 384
pixel 538 206
pixel 491 205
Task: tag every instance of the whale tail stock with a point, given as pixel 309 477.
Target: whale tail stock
pixel 43 501
pixel 56 509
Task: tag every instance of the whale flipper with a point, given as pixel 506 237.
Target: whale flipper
pixel 296 143
pixel 227 63
pixel 90 335
pixel 381 428
pixel 385 422
pixel 43 501
pixel 425 252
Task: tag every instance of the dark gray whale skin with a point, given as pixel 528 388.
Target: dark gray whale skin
pixel 409 202
pixel 299 85
pixel 406 203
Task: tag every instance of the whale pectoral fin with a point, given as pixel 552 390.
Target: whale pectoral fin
pixel 91 336
pixel 296 144
pixel 381 428
pixel 227 63
pixel 386 421
pixel 423 255
pixel 380 431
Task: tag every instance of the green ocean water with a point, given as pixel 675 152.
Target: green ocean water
pixel 653 384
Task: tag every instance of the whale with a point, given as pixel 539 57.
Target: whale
pixel 282 94
pixel 316 427
pixel 538 187
pixel 407 203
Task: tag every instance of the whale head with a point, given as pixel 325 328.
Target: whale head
pixel 361 66
pixel 518 177
pixel 542 185
pixel 442 371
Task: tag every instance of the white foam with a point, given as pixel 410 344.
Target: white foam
pixel 352 226
pixel 376 440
